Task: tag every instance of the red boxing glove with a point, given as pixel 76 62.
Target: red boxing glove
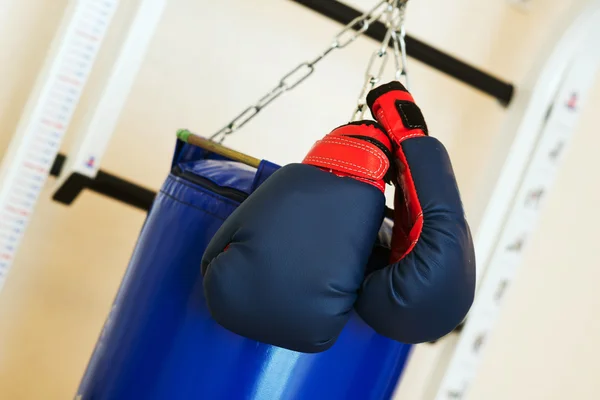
pixel 395 110
pixel 360 150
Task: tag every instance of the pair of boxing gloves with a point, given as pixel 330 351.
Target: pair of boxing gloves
pixel 305 250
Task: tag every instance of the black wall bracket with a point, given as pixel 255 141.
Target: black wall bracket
pixel 476 78
pixel 105 184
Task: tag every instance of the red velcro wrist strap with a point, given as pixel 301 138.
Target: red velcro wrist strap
pixel 395 110
pixel 348 155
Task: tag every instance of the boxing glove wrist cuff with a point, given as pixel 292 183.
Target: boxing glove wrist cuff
pixel 359 150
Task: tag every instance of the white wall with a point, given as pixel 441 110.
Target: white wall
pixel 208 61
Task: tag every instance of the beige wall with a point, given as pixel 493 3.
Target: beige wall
pixel 207 62
pixel 26 30
pixel 545 345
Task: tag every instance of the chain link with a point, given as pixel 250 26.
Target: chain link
pixel 359 25
pixel 346 36
pixel 376 66
pixel 394 22
pixel 399 41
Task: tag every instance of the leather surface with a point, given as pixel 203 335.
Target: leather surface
pixel 387 110
pixel 429 287
pixel 408 213
pixel 426 294
pixel 345 152
pixel 395 110
pixel 160 341
pixel 296 255
pixel 349 155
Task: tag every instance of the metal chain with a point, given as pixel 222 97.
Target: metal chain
pixel 346 36
pixel 376 65
pixel 398 37
pixel 394 21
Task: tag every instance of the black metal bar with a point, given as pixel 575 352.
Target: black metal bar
pixel 122 190
pixel 423 52
pixel 105 184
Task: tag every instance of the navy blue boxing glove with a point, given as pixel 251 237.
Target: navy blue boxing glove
pixel 429 286
pixel 286 267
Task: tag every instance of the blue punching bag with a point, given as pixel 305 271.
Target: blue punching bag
pixel 159 341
